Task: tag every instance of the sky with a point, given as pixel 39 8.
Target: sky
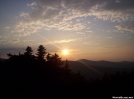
pixel 88 29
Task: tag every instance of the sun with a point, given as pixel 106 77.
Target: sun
pixel 65 52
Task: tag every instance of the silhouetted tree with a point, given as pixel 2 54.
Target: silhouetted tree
pixel 66 65
pixel 29 51
pixel 9 55
pixel 41 52
pixel 24 76
pixel 48 57
pixel 56 60
pixel 66 68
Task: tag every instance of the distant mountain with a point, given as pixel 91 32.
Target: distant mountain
pixel 103 63
pixel 95 69
pixel 1 59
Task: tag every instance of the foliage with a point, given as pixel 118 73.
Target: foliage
pixel 29 51
pixel 44 75
pixel 41 52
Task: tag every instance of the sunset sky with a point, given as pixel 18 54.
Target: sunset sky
pixel 88 29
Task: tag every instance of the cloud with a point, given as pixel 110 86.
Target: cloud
pixel 8 40
pixel 80 33
pixel 25 15
pixel 27 27
pixel 119 5
pixel 109 37
pixel 116 10
pixel 32 4
pixel 79 8
pixel 126 27
pixel 91 43
pixel 7 28
pixel 28 40
pixel 72 27
pixel 89 31
pixel 59 14
pixel 15 40
pixel 63 41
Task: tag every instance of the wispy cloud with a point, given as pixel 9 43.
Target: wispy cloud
pixel 126 27
pixel 63 41
pixel 7 28
pixel 28 40
pixel 32 4
pixel 91 43
pixel 25 15
pixel 58 14
pixel 14 40
pixel 109 37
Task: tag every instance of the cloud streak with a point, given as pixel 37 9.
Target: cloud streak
pixel 59 14
pixel 6 28
pixel 126 27
pixel 25 15
pixel 62 41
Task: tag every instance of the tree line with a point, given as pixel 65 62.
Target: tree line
pixel 46 75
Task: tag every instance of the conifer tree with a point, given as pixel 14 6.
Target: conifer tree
pixel 56 60
pixel 29 51
pixel 66 68
pixel 41 52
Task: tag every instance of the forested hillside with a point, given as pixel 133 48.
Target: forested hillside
pixel 41 74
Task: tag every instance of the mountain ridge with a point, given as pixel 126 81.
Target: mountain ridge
pixel 93 69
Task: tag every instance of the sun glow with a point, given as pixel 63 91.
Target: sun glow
pixel 65 52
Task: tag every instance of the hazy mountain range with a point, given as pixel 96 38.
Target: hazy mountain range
pixel 94 69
